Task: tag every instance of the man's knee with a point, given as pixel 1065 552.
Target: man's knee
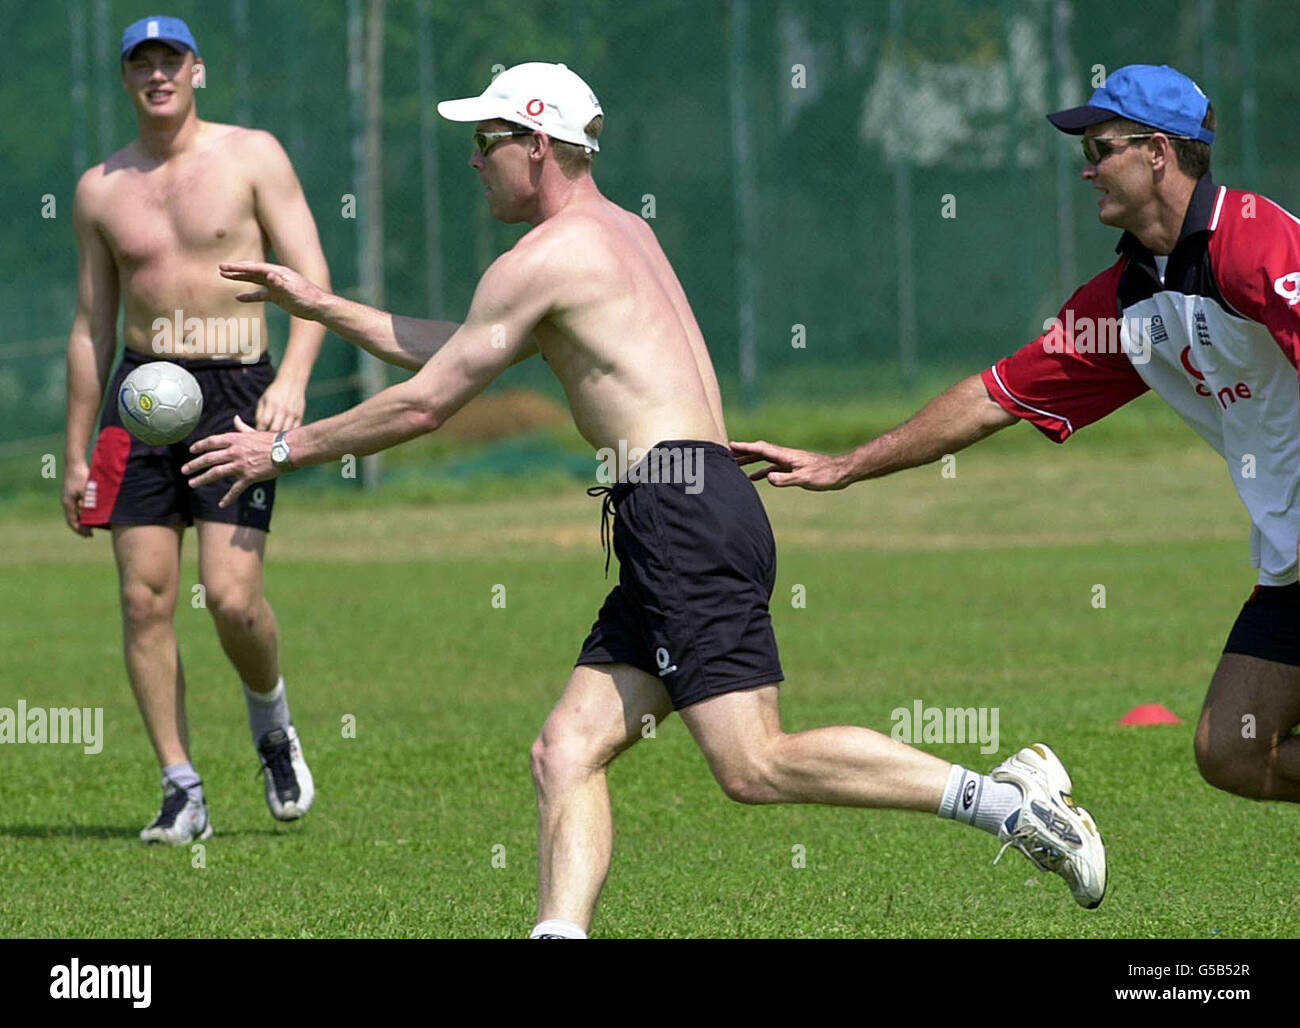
pixel 749 778
pixel 1240 770
pixel 744 788
pixel 145 603
pixel 563 753
pixel 233 604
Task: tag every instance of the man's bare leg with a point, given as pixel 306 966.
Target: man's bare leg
pixel 600 715
pixel 755 762
pixel 597 718
pixel 1245 741
pixel 148 566
pixel 1022 802
pixel 230 567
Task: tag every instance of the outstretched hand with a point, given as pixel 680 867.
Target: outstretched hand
pixel 244 455
pixel 818 472
pixel 283 286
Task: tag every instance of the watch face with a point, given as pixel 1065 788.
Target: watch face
pixel 280 453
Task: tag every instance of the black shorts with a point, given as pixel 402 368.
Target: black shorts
pixel 697 564
pixel 1268 626
pixel 133 483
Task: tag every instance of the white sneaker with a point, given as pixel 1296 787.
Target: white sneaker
pixel 181 820
pixel 1049 828
pixel 289 787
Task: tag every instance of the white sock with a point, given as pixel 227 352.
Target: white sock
pixel 978 800
pixel 184 775
pixel 266 710
pixel 557 928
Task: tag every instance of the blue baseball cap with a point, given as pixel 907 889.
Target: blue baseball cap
pixel 1154 95
pixel 172 31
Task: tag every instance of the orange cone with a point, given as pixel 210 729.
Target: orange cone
pixel 1150 714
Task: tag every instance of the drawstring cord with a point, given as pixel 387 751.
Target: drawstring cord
pixel 606 512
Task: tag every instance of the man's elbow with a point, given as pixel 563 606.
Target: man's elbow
pixel 423 419
pixel 426 409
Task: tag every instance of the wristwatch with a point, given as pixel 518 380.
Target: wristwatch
pixel 280 454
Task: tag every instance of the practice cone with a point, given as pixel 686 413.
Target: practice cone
pixel 1150 714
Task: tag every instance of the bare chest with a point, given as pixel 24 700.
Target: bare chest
pixel 200 209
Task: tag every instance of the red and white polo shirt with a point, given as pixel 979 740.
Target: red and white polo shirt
pixel 1218 336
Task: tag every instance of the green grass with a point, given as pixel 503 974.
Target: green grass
pixel 974 591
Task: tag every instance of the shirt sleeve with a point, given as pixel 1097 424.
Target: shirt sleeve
pixel 1059 387
pixel 1255 252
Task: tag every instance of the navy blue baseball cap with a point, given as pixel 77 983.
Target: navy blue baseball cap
pixel 1153 95
pixel 172 31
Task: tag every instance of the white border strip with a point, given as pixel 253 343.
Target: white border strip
pixel 1069 428
pixel 1218 208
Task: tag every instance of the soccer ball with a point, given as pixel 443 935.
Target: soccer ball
pixel 160 403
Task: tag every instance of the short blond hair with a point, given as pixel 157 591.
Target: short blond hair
pixel 573 158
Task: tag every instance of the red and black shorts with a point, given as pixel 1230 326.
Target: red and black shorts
pixel 697 564
pixel 133 483
pixel 1268 626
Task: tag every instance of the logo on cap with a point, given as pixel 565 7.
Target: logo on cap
pixel 151 30
pixel 534 107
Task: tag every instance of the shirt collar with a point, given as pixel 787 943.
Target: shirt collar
pixel 1200 209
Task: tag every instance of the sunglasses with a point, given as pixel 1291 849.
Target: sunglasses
pixel 485 141
pixel 1096 148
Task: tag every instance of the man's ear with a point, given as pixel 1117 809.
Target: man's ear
pixel 1162 153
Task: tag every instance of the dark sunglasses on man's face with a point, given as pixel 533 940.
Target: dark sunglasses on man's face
pixel 485 141
pixel 1097 148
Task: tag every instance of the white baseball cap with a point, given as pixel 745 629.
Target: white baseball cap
pixel 546 97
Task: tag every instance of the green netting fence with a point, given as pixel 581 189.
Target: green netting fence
pixel 852 191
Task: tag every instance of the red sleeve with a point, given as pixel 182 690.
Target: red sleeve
pixel 1255 252
pixel 1054 386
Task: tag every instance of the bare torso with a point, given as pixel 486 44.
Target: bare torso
pixel 620 335
pixel 168 225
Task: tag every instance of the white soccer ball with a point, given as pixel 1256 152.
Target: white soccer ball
pixel 160 403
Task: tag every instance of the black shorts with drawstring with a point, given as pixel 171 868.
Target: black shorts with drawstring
pixel 697 565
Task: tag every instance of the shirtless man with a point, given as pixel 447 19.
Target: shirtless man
pixel 151 222
pixel 687 627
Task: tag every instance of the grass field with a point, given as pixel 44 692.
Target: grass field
pixel 970 591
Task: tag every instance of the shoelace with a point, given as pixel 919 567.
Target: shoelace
pixel 279 762
pixel 607 511
pixel 1045 857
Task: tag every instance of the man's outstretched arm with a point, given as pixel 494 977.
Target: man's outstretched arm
pixel 406 342
pixel 506 308
pixel 954 419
